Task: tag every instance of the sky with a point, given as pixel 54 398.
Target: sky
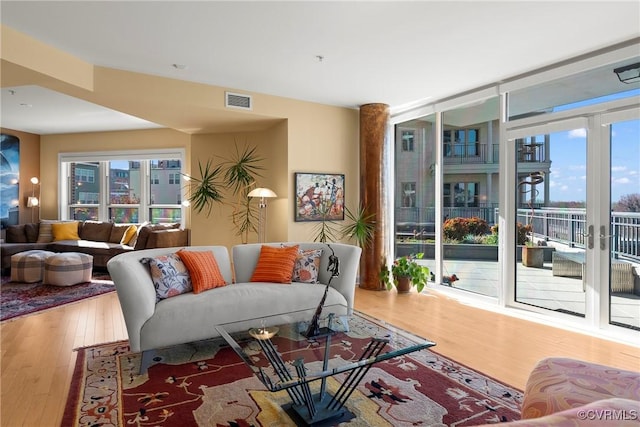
pixel 567 181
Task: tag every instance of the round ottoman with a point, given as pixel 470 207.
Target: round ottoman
pixel 28 266
pixel 68 268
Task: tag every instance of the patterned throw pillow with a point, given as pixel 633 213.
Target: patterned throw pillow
pixel 275 265
pixel 169 274
pixel 203 269
pixel 307 266
pixel 45 235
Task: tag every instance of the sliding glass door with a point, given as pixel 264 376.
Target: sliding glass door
pixel 551 216
pixel 620 237
pixel 576 215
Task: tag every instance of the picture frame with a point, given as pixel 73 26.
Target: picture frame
pixel 319 196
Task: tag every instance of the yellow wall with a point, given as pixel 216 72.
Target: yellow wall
pixel 53 145
pixel 217 227
pixel 294 136
pixel 324 139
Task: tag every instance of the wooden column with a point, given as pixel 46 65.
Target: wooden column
pixel 374 188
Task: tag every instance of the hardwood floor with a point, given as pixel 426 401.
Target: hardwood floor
pixel 38 357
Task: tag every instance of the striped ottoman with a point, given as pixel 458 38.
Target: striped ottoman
pixel 68 268
pixel 28 266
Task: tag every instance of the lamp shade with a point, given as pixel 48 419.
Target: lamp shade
pixel 32 202
pixel 262 192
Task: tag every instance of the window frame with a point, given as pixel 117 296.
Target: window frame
pixel 408 145
pixel 103 158
pixel 410 186
pixel 464 147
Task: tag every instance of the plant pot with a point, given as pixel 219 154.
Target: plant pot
pixel 533 256
pixel 404 285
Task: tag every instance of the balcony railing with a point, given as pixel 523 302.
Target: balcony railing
pixel 428 215
pixel 479 153
pixel 566 226
pixel 569 226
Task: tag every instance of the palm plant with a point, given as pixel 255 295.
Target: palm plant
pixel 205 191
pixel 241 171
pixel 238 175
pixel 325 230
pixel 362 226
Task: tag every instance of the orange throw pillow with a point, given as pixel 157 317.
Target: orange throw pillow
pixel 275 264
pixel 203 269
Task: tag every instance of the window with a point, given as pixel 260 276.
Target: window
pixel 461 142
pixel 84 190
pixel 408 139
pixel 115 189
pixel 174 178
pixel 461 194
pixel 85 175
pixel 408 194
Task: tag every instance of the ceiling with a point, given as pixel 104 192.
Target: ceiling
pixel 330 52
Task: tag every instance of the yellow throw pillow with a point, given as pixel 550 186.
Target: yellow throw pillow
pixel 65 231
pixel 275 265
pixel 128 235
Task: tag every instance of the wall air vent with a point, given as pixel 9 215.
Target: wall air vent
pixel 236 100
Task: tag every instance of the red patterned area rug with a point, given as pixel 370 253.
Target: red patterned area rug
pixel 207 384
pixel 19 299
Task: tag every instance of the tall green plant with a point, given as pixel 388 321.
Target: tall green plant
pixel 325 230
pixel 362 226
pixel 236 175
pixel 241 171
pixel 205 191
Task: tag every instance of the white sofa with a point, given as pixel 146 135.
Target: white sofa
pixel 192 317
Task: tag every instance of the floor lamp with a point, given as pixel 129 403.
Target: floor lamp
pixel 263 193
pixel 32 201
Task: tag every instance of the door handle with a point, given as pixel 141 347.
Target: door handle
pixel 590 237
pixel 603 237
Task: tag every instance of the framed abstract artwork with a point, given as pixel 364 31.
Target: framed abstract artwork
pixel 319 196
pixel 9 178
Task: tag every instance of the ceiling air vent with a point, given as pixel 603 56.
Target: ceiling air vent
pixel 236 100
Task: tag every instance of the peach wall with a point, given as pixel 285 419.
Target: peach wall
pixel 295 136
pixel 324 140
pixel 21 49
pixel 29 167
pixel 53 145
pixel 316 138
pixel 217 227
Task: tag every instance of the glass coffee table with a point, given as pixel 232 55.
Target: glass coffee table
pixel 283 358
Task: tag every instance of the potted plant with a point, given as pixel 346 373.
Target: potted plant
pixel 405 274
